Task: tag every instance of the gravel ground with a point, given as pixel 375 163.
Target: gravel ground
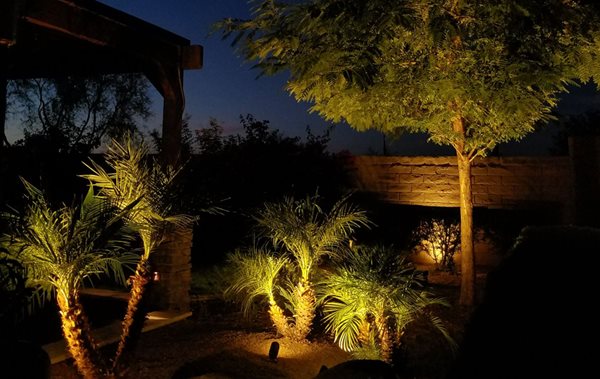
pixel 225 344
pixel 217 342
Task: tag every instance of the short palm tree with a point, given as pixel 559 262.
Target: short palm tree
pixel 59 250
pixel 254 277
pixel 369 300
pixel 136 178
pixel 308 233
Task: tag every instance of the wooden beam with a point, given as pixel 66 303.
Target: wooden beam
pixel 69 58
pixel 192 57
pixel 9 10
pixel 70 19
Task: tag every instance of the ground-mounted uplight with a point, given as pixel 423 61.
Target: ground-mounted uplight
pixel 274 351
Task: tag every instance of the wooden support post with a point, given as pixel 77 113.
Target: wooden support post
pixel 171 129
pixel 3 98
pixel 168 80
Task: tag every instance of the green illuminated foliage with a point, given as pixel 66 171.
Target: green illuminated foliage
pixel 61 248
pixel 370 299
pixel 302 233
pixel 135 179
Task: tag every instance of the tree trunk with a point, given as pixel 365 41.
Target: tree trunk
pixel 278 319
pixel 467 285
pixel 135 316
pixel 305 311
pixel 364 332
pixel 80 344
pixel 385 340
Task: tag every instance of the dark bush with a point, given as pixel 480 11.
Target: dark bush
pixel 535 319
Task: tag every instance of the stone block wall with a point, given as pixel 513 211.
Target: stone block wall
pixel 172 262
pixel 497 182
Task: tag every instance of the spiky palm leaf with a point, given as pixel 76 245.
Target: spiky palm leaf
pixel 374 286
pixel 133 177
pixel 307 231
pixel 253 276
pixel 60 249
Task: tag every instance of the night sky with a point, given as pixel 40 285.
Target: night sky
pixel 226 87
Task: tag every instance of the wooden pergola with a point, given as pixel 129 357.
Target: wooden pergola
pixel 54 38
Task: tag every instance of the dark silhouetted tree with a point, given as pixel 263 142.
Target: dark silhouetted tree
pixel 77 114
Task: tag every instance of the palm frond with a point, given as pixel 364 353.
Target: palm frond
pixel 60 248
pixel 140 186
pixel 369 283
pixel 254 276
pixel 306 231
pixel 343 320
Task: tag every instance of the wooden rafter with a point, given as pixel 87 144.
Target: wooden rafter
pixel 50 38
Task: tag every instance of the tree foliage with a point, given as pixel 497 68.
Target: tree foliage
pixel 469 73
pixel 61 248
pixel 418 65
pixel 79 113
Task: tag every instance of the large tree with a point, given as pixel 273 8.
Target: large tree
pixel 79 113
pixel 469 73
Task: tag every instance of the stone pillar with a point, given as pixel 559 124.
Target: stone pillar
pixel 585 158
pixel 172 263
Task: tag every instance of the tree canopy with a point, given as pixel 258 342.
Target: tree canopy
pixel 469 73
pixel 420 64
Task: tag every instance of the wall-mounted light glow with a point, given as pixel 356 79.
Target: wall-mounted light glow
pixel 156 276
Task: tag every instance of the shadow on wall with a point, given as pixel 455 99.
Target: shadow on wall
pixel 535 320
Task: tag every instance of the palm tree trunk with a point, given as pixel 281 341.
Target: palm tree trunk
pixel 364 332
pixel 279 320
pixel 135 316
pixel 305 311
pixel 80 343
pixel 385 340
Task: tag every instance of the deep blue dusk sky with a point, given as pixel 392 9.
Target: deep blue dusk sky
pixel 226 87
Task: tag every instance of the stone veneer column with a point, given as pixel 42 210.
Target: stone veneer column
pixel 172 262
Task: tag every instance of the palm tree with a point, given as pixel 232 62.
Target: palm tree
pixel 369 300
pixel 308 233
pixel 254 277
pixel 59 250
pixel 135 178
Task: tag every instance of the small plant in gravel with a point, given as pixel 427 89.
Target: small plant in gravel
pixel 255 276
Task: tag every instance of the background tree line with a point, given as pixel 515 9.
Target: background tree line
pixel 64 121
